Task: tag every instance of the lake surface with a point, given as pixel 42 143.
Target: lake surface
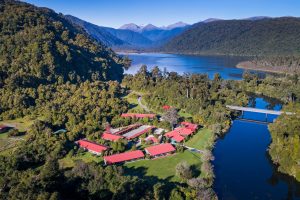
pixel 225 65
pixel 242 164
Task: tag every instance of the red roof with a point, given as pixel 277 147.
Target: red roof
pixel 91 146
pixel 160 149
pixel 111 137
pixel 166 107
pixel 190 125
pixel 121 157
pixel 137 115
pixel 178 138
pixel 184 131
pixel 179 133
pixel 152 138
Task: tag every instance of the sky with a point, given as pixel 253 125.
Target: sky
pixel 115 13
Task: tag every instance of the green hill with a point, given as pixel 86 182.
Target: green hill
pixel 270 36
pixel 38 45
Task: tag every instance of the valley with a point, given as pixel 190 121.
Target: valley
pixel 141 110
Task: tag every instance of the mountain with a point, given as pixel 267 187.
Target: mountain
pixel 134 39
pixel 39 46
pixel 131 27
pixel 115 38
pixel 267 36
pixel 176 25
pixel 149 27
pixel 158 35
pixel 97 32
pixel 131 36
pixel 257 18
pixel 211 20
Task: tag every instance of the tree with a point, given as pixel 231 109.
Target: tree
pixel 183 170
pixel 171 116
pixel 159 192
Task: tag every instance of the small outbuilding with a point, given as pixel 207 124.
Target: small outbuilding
pixel 92 146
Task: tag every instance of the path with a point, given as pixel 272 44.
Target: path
pixel 142 105
pixel 193 149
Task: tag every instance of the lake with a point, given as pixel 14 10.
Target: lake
pixel 225 65
pixel 242 164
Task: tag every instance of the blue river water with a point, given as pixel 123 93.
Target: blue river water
pixel 225 65
pixel 242 164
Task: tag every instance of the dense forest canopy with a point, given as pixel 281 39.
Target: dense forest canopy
pixel 37 46
pixel 277 36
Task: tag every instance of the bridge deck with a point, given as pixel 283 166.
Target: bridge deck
pixel 257 110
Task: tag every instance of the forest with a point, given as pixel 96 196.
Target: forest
pixel 193 94
pixel 265 37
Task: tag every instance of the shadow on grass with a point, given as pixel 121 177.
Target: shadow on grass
pixel 152 180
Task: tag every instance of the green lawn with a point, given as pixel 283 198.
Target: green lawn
pixel 164 168
pixel 201 140
pixel 184 114
pixel 87 157
pixel 22 124
pixel 8 143
pixel 133 101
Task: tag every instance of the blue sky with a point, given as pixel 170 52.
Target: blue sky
pixel 114 13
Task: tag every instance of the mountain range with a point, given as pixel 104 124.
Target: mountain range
pixel 131 36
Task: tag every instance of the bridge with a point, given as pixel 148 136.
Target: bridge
pixel 257 110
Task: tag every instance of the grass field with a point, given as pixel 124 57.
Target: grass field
pixel 133 101
pixel 201 140
pixel 87 157
pixel 8 143
pixel 22 124
pixel 164 168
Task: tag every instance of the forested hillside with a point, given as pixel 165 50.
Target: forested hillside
pixel 277 36
pixel 56 76
pixel 39 46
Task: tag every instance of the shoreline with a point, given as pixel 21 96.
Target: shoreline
pixel 251 66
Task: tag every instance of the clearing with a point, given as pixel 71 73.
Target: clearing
pixel 164 167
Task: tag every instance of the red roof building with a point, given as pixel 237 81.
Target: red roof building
pixel 127 129
pixel 110 137
pixel 178 138
pixel 160 149
pixel 180 133
pixel 92 146
pixel 152 139
pixel 122 157
pixel 184 131
pixel 189 125
pixel 138 132
pixel 137 115
pixel 166 107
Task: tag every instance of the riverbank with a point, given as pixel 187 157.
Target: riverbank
pixel 273 69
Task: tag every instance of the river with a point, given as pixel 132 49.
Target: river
pixel 225 65
pixel 242 164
